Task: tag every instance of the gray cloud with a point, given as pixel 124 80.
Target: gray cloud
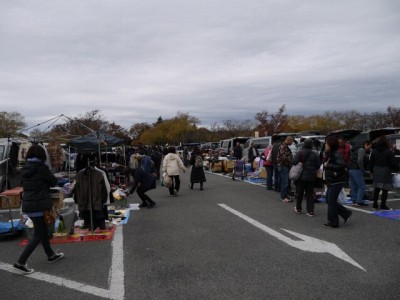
pixel 217 60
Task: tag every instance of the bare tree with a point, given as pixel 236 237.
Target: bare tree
pixel 272 123
pixel 11 123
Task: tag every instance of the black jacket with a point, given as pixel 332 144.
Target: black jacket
pixel 383 164
pixel 310 166
pixel 197 174
pixel 335 170
pixel 36 182
pixel 90 190
pixel 143 180
pixel 274 153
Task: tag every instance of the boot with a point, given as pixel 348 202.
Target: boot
pixel 383 200
pixel 375 198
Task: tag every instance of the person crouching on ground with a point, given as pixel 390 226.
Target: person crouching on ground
pixel 36 182
pixel 143 182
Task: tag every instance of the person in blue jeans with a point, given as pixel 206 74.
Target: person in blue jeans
pixel 267 163
pixel 357 166
pixel 284 159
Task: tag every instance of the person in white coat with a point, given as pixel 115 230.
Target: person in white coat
pixel 172 164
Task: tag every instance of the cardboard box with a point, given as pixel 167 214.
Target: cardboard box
pixel 217 167
pixel 263 172
pixel 229 165
pixel 57 196
pixel 14 198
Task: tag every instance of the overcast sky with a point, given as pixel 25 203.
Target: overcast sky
pixel 214 59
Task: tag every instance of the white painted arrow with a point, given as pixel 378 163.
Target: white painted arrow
pixel 306 243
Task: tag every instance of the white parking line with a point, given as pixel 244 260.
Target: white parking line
pixel 116 289
pixel 369 211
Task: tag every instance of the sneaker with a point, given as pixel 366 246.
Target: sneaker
pixel 23 269
pixel 297 211
pixel 375 205
pixel 143 205
pixel 56 256
pixel 286 200
pixel 175 193
pixel 385 208
pixel 327 225
pixel 310 214
pixel 361 204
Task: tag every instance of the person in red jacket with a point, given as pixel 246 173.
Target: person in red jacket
pixel 267 163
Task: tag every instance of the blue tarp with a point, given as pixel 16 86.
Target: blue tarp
pixel 6 226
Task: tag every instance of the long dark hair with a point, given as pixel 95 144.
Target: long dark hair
pixel 333 143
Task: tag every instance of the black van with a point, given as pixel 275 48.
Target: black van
pixel 372 135
pixel 394 144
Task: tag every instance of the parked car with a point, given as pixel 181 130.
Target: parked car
pixel 372 135
pixel 208 146
pixel 8 169
pixel 261 143
pixel 394 144
pixel 347 134
pixel 227 145
pixel 282 135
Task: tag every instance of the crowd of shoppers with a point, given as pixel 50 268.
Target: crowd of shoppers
pixel 341 164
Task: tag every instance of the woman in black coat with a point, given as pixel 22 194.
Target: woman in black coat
pixel 36 182
pixel 335 178
pixel 197 173
pixel 308 177
pixel 382 165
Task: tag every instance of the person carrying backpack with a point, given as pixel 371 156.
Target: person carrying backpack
pixel 197 174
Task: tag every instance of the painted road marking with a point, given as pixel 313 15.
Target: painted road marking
pixel 306 243
pixel 116 288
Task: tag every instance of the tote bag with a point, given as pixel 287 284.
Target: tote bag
pixel 295 171
pixel 167 181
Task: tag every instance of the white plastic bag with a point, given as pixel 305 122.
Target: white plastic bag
pixel 296 171
pixel 396 181
pixel 167 181
pixel 342 198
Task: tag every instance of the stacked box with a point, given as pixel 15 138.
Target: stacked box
pixel 228 166
pixel 263 172
pixel 217 167
pixel 14 198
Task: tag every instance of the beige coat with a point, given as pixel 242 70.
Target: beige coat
pixel 172 163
